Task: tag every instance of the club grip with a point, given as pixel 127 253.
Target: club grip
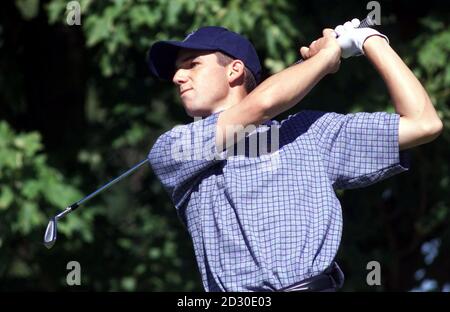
pixel 367 22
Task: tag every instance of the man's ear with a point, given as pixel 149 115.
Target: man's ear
pixel 235 71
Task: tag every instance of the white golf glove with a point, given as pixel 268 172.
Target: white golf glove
pixel 351 38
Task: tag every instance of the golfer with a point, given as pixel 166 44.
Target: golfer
pixel 268 219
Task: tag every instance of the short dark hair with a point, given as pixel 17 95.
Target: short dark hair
pixel 249 79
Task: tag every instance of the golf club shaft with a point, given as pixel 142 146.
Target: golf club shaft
pixel 63 213
pixel 107 185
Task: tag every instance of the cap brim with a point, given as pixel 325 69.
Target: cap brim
pixel 163 54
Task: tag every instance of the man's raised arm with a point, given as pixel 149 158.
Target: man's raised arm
pixel 419 122
pixel 283 90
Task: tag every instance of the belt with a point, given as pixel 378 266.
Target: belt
pixel 330 280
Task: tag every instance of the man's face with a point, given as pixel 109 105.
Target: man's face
pixel 202 83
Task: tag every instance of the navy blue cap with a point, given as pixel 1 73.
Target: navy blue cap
pixel 163 54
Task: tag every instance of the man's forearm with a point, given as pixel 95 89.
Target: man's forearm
pixel 409 97
pixel 283 90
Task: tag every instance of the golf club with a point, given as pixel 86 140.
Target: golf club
pixel 52 228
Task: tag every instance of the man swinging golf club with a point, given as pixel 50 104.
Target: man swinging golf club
pixel 255 229
pixel 279 229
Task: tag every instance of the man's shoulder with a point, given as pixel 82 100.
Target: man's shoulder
pixel 304 117
pixel 319 117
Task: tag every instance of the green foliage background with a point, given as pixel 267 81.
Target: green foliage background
pixel 78 106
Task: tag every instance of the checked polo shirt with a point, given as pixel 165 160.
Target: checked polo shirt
pixel 262 221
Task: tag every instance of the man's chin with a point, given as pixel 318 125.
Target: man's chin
pixel 196 112
pixel 194 108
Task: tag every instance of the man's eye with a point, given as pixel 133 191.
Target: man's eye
pixel 193 64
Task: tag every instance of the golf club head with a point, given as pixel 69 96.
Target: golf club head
pixel 50 233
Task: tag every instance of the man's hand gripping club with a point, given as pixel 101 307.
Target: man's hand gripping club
pixel 348 36
pixel 325 44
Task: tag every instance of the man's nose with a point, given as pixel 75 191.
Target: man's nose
pixel 180 76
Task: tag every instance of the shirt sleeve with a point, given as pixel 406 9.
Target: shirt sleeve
pixel 360 149
pixel 180 157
